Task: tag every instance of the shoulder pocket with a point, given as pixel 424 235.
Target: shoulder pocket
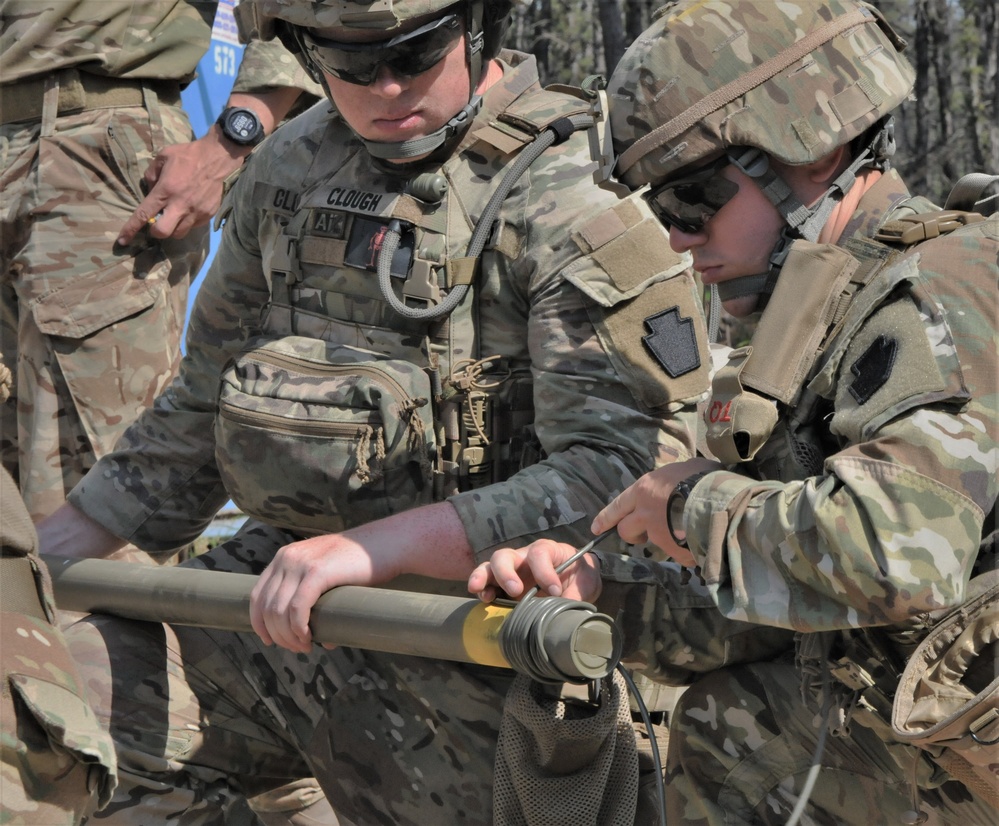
pixel 889 366
pixel 647 309
pixel 319 437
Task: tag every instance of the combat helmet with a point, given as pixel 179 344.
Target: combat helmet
pixel 485 21
pixel 791 80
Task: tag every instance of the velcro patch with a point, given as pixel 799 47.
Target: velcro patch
pixel 873 368
pixel 365 245
pixel 672 342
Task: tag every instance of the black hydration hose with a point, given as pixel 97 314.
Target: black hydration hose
pixel 556 133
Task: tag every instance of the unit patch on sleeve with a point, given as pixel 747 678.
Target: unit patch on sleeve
pixel 672 342
pixel 873 368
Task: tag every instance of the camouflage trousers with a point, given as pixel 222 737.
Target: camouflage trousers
pixel 56 765
pixel 203 718
pixel 91 330
pixel 741 743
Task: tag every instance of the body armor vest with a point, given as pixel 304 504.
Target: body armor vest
pixel 471 425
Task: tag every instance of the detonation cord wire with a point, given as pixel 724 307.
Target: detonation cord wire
pixel 522 638
pixel 529 658
pixel 813 771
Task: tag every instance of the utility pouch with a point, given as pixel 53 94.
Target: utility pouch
pixel 319 437
pixel 810 298
pixel 947 700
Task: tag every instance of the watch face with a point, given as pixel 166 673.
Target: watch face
pixel 243 125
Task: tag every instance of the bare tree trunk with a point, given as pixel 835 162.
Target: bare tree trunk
pixel 613 32
pixel 637 16
pixel 985 17
pixel 922 88
pixel 942 46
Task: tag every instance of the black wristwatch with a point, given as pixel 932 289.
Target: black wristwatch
pixel 677 502
pixel 241 126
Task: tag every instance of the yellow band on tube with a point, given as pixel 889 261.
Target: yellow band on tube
pixel 480 634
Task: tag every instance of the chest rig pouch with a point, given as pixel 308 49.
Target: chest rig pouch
pixel 757 396
pixel 354 404
pixel 761 408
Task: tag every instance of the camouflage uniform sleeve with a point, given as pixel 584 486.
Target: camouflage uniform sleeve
pixel 596 265
pixel 268 64
pixel 160 487
pixel 671 627
pixel 893 526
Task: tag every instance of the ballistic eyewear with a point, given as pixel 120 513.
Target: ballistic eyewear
pixel 688 203
pixel 409 54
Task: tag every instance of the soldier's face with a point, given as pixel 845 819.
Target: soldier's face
pixel 397 107
pixel 737 240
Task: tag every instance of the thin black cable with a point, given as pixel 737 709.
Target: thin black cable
pixel 522 639
pixel 629 681
pixel 813 771
pixel 656 762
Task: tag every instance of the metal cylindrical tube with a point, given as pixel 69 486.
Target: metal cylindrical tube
pixel 400 622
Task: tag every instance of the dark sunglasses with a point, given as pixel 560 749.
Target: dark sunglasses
pixel 688 203
pixel 408 54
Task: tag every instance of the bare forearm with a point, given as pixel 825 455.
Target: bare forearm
pixel 70 532
pixel 429 541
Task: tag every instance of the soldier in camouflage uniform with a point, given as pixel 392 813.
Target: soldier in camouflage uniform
pixel 857 494
pixel 56 764
pixel 89 94
pixel 91 325
pixel 389 385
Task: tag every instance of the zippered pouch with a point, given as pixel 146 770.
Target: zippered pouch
pixel 319 437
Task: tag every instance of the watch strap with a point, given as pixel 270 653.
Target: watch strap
pixel 677 501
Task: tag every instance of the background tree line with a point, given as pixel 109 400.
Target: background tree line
pixel 950 128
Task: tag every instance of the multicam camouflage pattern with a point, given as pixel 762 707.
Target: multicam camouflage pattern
pixel 393 739
pixel 268 64
pixel 56 764
pixel 672 79
pixel 357 434
pixel 730 731
pixel 380 15
pixel 120 38
pixel 557 297
pixel 91 331
pixel 558 311
pixel 901 406
pixel 924 441
pixel 889 532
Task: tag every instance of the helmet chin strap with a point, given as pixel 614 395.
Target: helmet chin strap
pixel 801 221
pixel 414 148
pixel 474 53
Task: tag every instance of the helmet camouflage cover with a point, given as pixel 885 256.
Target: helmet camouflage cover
pixel 794 79
pixel 384 15
pixel 257 18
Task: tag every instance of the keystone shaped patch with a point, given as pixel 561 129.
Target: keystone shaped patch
pixel 672 342
pixel 873 368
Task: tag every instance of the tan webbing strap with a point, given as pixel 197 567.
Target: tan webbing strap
pixel 738 87
pixel 80 91
pixel 967 192
pixel 19 588
pixel 961 770
pixel 462 270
